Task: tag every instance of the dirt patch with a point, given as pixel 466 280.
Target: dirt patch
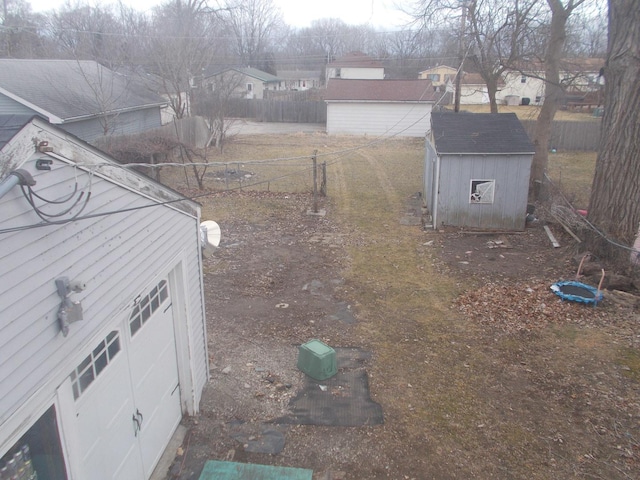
pixel 504 381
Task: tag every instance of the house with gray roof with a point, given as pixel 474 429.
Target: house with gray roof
pixel 476 171
pixel 246 82
pixel 379 107
pixel 82 97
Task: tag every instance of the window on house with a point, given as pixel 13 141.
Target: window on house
pixel 523 79
pixel 38 453
pixel 94 363
pixel 482 191
pixel 249 87
pixel 338 73
pixel 147 305
pixel 434 77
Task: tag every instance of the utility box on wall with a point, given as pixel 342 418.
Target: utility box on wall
pixel 317 360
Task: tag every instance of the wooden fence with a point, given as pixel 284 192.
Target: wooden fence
pixel 568 135
pixel 279 110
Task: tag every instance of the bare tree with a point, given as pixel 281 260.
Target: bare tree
pixel 614 206
pixel 181 45
pixel 253 26
pixel 494 33
pixel 20 30
pixel 499 31
pixel 214 102
pixel 561 10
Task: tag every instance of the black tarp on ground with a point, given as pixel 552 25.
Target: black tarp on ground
pixel 342 400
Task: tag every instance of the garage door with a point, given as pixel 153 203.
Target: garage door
pixel 127 392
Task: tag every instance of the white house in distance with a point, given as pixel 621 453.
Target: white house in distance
pixel 441 76
pixel 248 82
pixel 476 171
pixel 379 107
pixel 298 80
pixel 581 75
pixel 355 66
pixel 102 332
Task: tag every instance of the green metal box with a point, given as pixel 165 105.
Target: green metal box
pixel 317 359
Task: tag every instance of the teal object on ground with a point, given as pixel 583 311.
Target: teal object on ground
pixel 317 359
pixel 217 470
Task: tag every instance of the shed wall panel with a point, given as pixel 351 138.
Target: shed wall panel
pixel 388 119
pixel 511 175
pixel 117 255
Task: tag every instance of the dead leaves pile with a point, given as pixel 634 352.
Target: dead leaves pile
pixel 525 307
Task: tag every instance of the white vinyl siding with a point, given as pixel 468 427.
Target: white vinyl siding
pixel 116 255
pixel 373 118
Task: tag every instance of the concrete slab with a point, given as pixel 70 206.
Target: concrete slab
pixel 161 472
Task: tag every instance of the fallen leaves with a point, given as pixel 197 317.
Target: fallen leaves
pixel 516 306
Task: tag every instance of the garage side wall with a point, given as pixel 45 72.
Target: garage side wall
pixel 117 256
pixel 508 209
pixel 372 118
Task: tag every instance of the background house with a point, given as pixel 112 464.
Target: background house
pixel 82 97
pixel 355 66
pixel 441 76
pixel 119 253
pixel 379 107
pixel 581 77
pixel 476 171
pixel 298 80
pixel 247 82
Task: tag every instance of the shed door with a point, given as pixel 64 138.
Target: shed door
pixel 127 413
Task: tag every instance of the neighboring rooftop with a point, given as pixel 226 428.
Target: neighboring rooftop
pixel 381 90
pixel 467 133
pixel 356 59
pixel 63 90
pixel 249 71
pixel 10 125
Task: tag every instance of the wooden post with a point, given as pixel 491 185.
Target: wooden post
pixel 315 181
pixel 323 185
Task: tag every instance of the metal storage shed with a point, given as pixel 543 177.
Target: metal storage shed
pixel 476 171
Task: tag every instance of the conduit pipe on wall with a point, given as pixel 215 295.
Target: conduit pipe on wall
pixel 17 177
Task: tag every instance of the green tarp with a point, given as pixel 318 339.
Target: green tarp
pixel 216 470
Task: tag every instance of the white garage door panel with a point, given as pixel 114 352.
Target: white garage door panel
pixel 105 425
pixel 131 407
pixel 154 372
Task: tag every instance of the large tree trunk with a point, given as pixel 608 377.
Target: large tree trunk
pixel 614 206
pixel 553 93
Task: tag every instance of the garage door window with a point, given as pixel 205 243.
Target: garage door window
pixel 94 363
pixel 146 305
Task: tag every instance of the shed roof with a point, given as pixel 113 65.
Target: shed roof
pixel 339 89
pixel 64 90
pixel 469 133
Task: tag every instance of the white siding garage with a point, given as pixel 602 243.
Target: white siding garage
pixel 397 119
pixel 380 107
pixel 117 258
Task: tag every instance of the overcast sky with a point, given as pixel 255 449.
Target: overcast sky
pixel 297 13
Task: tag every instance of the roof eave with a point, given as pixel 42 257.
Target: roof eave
pixel 39 110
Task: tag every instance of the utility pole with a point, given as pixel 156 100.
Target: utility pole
pixel 461 55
